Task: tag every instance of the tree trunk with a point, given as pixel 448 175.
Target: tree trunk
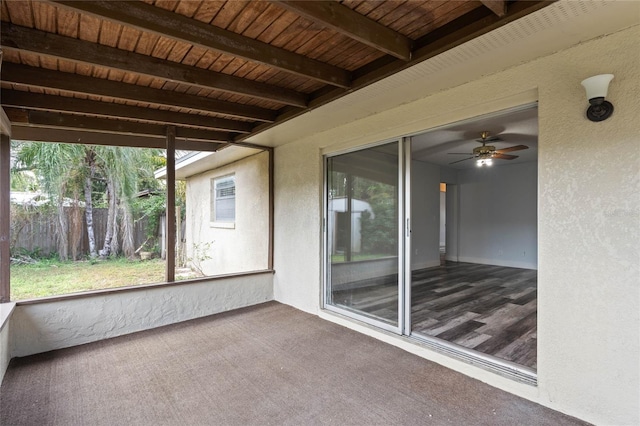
pixel 75 227
pixel 128 245
pixel 88 214
pixel 115 239
pixel 106 248
pixel 62 229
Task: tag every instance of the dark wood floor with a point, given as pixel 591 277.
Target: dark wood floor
pixel 490 309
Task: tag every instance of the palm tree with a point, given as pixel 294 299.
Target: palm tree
pixel 89 175
pixel 122 169
pixel 68 170
pixel 57 164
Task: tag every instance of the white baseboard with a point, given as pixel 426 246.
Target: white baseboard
pixel 498 262
pixel 425 265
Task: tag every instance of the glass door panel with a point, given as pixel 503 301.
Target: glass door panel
pixel 363 206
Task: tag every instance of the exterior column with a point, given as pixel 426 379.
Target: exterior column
pixel 170 272
pixel 5 219
pixel 271 207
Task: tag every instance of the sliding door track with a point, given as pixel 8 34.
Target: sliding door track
pixel 486 362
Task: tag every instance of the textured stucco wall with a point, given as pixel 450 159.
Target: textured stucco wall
pixel 588 220
pixel 297 244
pixel 245 247
pixel 46 326
pixel 6 311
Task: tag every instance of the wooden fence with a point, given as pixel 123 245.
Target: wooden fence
pixel 33 229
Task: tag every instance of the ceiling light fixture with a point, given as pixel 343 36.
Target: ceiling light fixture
pixel 596 88
pixel 484 161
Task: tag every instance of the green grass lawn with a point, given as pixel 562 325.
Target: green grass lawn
pixel 48 278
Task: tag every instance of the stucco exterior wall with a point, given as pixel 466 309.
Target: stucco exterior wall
pixel 245 246
pixel 588 220
pixel 6 310
pixel 54 325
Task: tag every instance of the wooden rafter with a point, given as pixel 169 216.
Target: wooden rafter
pixel 36 101
pixel 43 78
pixel 71 121
pixel 24 39
pixel 88 137
pixel 455 33
pixel 499 7
pixel 352 24
pixel 156 20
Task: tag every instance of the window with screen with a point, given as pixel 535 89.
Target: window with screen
pixel 224 199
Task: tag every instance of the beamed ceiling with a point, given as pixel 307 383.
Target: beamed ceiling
pixel 219 72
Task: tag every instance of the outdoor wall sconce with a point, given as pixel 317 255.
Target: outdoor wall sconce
pixel 597 87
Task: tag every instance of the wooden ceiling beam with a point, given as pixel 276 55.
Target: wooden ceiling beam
pixel 44 78
pixel 75 136
pixel 467 27
pixel 112 126
pixel 499 7
pixel 5 124
pixel 148 18
pixel 346 21
pixel 36 101
pixel 19 38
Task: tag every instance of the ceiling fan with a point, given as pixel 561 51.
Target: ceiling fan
pixel 485 154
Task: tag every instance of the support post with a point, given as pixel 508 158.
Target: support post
pixel 170 272
pixel 5 220
pixel 179 236
pixel 271 207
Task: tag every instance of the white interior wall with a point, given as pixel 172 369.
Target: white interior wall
pixel 46 326
pixel 588 227
pixel 443 219
pixel 498 215
pixel 425 215
pixel 452 218
pixel 245 246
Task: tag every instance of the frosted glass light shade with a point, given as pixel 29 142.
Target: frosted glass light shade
pixel 597 85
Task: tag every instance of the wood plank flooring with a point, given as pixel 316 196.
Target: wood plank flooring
pixel 490 309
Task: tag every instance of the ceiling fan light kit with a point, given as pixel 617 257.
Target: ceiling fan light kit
pixel 485 154
pixel 597 87
pixel 484 162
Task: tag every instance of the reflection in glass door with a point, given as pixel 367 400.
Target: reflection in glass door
pixel 363 207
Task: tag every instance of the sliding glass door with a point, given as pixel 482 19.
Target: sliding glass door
pixel 363 234
pixel 385 236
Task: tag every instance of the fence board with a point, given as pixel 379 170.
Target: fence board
pixel 33 230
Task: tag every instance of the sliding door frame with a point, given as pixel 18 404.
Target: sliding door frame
pixel 405 237
pixel 403 230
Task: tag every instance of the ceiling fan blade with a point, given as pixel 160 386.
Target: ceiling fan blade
pixel 465 159
pixel 511 148
pixel 458 153
pixel 504 156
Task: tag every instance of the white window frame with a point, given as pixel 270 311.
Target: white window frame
pixel 214 201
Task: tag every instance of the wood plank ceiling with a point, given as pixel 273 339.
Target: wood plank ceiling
pixel 218 71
